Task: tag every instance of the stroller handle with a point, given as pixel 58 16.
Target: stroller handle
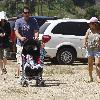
pixel 31 41
pixel 26 40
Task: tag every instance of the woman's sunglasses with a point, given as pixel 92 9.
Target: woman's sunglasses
pixel 26 12
pixel 92 23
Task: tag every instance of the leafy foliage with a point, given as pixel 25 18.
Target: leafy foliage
pixel 60 8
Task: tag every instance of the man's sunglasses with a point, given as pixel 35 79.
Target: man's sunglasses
pixel 26 12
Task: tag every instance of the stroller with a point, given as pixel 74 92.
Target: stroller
pixel 32 63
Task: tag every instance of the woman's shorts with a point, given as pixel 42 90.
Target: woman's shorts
pixel 91 53
pixel 4 53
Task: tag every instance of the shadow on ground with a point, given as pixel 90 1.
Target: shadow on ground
pixel 50 83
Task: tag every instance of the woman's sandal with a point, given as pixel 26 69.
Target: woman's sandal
pixel 16 76
pixel 98 79
pixel 4 70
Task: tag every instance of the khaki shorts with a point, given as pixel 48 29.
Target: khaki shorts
pixel 4 53
pixel 18 55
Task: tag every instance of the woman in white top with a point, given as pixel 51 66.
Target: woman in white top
pixel 92 44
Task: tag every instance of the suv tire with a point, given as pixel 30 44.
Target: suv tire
pixel 66 56
pixel 54 60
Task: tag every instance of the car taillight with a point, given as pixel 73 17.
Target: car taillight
pixel 46 38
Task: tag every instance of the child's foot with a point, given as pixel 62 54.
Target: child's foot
pixel 98 79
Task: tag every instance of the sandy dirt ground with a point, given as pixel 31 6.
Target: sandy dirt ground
pixel 63 82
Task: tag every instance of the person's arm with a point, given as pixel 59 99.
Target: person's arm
pixel 17 31
pixel 85 42
pixel 36 34
pixel 1 32
pixel 98 40
pixel 36 29
pixel 19 36
pixel 7 29
pixel 2 35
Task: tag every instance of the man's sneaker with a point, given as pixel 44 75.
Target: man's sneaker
pixel 90 79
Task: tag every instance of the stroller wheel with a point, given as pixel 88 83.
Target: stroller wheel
pixel 37 82
pixel 42 84
pixel 25 83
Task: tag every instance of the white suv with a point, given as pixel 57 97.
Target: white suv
pixel 66 41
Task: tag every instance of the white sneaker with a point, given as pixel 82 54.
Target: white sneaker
pixel 90 79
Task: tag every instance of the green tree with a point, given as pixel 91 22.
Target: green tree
pixel 90 12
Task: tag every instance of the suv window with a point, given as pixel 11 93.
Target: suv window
pixel 71 28
pixel 43 28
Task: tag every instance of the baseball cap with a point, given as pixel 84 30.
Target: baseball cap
pixel 93 20
pixel 3 15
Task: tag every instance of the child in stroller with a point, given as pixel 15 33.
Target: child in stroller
pixel 32 62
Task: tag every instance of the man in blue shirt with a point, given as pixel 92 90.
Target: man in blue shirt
pixel 25 28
